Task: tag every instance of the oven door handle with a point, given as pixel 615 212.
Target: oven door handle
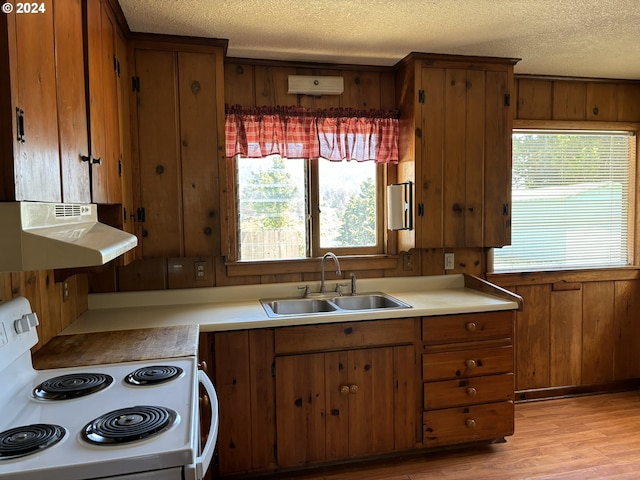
pixel 204 460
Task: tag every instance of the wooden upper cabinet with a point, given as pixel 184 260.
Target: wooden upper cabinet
pixel 104 132
pixel 179 139
pixel 72 111
pixel 29 138
pixel 456 146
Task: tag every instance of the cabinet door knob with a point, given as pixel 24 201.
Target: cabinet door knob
pixel 353 388
pixel 471 423
pixel 471 327
pixel 471 391
pixel 471 363
pixel 344 389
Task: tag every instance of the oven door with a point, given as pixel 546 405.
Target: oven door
pixel 198 470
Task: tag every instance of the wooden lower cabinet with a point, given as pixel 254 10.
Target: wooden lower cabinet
pixel 301 396
pixel 467 370
pixel 337 405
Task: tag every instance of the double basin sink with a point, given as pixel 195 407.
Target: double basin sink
pixel 278 307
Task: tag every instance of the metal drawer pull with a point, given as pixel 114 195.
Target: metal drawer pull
pixel 353 388
pixel 471 423
pixel 471 391
pixel 471 327
pixel 471 363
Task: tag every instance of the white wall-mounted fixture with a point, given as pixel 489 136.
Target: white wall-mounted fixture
pixel 400 206
pixel 315 85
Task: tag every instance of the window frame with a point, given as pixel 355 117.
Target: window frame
pixel 634 181
pixel 374 257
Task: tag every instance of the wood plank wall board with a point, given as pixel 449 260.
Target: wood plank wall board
pixel 46 298
pixel 598 339
pixel 627 315
pixel 533 338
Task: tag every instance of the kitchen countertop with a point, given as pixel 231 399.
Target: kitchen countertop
pixel 117 346
pixel 238 307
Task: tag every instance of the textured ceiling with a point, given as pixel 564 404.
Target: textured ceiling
pixel 583 38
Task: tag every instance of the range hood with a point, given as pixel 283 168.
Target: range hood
pixel 44 236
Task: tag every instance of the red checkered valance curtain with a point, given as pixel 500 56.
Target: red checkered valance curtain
pixel 296 132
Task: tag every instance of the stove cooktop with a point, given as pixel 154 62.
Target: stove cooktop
pixel 92 427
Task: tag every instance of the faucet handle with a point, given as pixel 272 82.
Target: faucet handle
pixel 306 289
pixel 339 287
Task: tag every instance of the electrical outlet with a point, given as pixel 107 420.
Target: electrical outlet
pixel 65 291
pixel 449 261
pixel 407 266
pixel 200 270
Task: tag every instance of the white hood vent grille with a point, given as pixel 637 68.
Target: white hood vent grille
pixel 70 209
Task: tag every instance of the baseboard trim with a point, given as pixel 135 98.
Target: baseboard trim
pixel 536 394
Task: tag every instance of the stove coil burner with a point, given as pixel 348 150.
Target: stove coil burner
pixel 130 424
pixel 73 385
pixel 153 375
pixel 28 439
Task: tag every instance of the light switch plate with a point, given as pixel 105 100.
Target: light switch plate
pixel 449 261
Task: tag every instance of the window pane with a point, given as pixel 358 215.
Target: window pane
pixel 570 202
pixel 347 193
pixel 271 208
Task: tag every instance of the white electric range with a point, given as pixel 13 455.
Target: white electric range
pixel 130 421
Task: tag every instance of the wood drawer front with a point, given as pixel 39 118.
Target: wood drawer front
pixel 467 327
pixel 468 391
pixel 338 336
pixel 467 363
pixel 490 421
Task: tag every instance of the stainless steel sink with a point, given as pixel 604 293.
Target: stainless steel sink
pixel 297 306
pixel 276 307
pixel 368 302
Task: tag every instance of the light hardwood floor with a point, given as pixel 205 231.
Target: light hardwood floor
pixel 582 438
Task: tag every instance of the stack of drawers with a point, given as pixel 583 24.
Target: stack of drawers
pixel 468 380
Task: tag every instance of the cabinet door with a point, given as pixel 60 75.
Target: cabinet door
pixel 465 171
pixel 32 61
pixel 72 112
pixel 300 409
pixel 371 405
pixel 103 104
pixel 158 153
pixel 497 161
pixel 177 113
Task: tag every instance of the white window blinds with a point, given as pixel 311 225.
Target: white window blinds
pixel 571 204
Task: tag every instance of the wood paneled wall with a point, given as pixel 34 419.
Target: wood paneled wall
pixel 57 304
pixel 265 84
pixel 540 98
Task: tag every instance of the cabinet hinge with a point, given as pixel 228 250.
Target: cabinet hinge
pixel 507 100
pixel 118 67
pixel 273 370
pixel 421 96
pixel 505 209
pixel 421 209
pixel 119 168
pixel 141 215
pixel 115 64
pixel 275 451
pixel 124 214
pixel 135 84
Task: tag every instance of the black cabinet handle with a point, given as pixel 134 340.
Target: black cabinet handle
pixel 20 124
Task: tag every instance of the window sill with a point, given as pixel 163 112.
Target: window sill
pixel 312 265
pixel 587 275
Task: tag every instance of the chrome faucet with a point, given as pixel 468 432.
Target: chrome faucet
pixel 323 289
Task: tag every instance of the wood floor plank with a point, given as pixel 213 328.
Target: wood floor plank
pixel 583 438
